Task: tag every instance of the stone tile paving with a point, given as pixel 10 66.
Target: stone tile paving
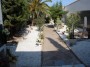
pixel 82 50
pixel 29 54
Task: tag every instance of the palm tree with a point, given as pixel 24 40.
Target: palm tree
pixel 38 7
pixel 57 11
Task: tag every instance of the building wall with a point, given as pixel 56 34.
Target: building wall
pixel 1 22
pixel 82 6
pixel 87 14
pixel 79 5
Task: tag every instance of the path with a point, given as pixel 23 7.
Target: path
pixel 54 51
pixel 29 54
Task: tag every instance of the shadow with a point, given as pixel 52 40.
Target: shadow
pixel 25 58
pixel 12 43
pixel 58 57
pixel 22 31
pixel 30 58
pixel 53 54
pixel 56 44
pixel 54 30
pixel 5 58
pixel 50 26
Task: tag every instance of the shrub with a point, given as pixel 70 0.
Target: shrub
pixel 40 21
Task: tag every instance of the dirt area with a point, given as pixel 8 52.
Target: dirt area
pixel 54 50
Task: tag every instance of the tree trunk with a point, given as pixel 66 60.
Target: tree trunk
pixel 32 22
pixel 72 33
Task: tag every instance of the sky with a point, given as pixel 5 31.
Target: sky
pixel 64 2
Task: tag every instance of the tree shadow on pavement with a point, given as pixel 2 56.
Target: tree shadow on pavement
pixel 58 57
pixel 50 26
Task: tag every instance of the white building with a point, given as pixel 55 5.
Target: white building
pixel 79 5
pixel 83 7
pixel 2 46
pixel 1 22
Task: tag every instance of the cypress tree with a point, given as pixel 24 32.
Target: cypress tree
pixel 15 14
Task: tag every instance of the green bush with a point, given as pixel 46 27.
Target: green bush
pixel 15 14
